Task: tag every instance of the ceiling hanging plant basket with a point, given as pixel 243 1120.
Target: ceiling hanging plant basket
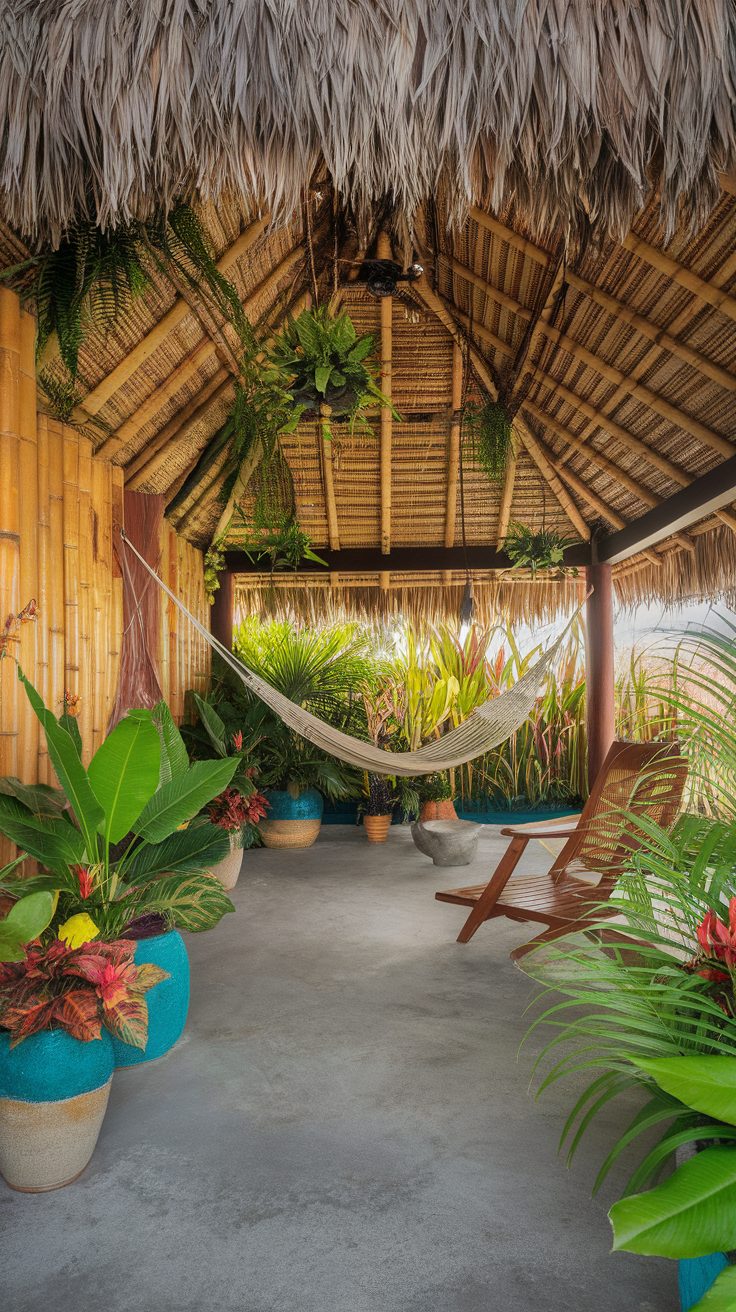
pixel 488 431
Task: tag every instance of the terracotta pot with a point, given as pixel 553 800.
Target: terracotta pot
pixel 444 810
pixel 228 869
pixel 377 827
pixel 53 1096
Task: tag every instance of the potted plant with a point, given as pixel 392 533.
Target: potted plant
pixel 328 364
pixel 543 551
pixel 659 1013
pixel 436 793
pixel 239 807
pixel 61 1004
pixel 376 807
pixel 293 777
pixel 120 851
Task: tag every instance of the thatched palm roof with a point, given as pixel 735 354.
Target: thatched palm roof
pixel 114 107
pixel 617 357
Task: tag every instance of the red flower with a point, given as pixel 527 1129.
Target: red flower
pixel 238 740
pixel 718 940
pixel 85 880
pixel 231 810
pixel 255 806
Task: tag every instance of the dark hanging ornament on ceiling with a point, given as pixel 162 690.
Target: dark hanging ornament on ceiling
pixel 381 276
pixel 467 610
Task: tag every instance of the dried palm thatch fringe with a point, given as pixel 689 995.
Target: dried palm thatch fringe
pixel 110 108
pixel 707 574
pixel 426 598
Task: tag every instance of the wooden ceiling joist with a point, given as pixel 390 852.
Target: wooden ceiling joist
pixel 534 447
pixel 704 496
pixel 439 308
pixel 513 238
pixel 157 452
pixel 487 288
pixel 679 274
pixel 595 502
pixel 94 400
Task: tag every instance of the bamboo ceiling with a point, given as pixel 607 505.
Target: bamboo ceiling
pixel 617 358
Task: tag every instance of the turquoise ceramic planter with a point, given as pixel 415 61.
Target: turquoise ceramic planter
pixel 695 1275
pixel 291 821
pixel 168 1002
pixel 53 1096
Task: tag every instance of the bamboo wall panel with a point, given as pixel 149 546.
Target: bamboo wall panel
pixel 60 509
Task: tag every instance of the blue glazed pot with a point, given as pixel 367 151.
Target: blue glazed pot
pixel 695 1275
pixel 168 1001
pixel 53 1096
pixel 291 821
pixel 52 1065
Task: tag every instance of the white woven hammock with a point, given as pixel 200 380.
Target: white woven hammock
pixel 486 726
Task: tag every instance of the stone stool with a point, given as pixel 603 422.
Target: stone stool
pixel 448 842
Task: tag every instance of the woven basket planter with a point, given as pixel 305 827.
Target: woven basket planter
pixel 228 870
pixel 291 821
pixel 444 810
pixel 53 1097
pixel 377 827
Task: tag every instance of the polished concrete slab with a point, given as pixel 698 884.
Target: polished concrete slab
pixel 345 1125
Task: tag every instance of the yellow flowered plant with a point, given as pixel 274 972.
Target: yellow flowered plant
pixel 78 930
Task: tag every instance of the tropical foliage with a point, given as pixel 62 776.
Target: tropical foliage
pixel 77 989
pixel 658 1013
pixel 487 430
pixel 118 842
pixel 541 551
pixel 327 364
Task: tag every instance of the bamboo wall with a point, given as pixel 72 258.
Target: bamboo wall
pixel 60 508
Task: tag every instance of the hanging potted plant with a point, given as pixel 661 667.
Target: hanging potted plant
pixel 488 428
pixel 328 364
pixel 129 867
pixel 62 1006
pixel 542 551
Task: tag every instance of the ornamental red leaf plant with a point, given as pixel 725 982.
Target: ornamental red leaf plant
pixel 231 810
pixel 77 990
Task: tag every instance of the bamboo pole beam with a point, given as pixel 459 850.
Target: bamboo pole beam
pixel 513 238
pixel 10 525
pixel 661 337
pixel 536 327
pixel 95 399
pixel 651 399
pixel 43 595
pixel 202 496
pixel 70 447
pixel 333 529
pixel 385 253
pixel 245 474
pixel 595 502
pixel 487 288
pixel 85 580
pixel 679 274
pixel 158 451
pixel 536 452
pixel 459 317
pixel 29 647
pixel 454 454
pixel 439 308
pixel 507 492
pixel 56 593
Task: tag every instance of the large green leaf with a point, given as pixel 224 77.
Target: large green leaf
pixel 124 774
pixel 53 842
pixel 185 850
pixel 721 1297
pixel 39 798
pixel 691 1214
pixel 194 902
pixel 182 798
pixel 174 756
pixel 69 722
pixel 28 918
pixel 69 770
pixel 216 731
pixel 708 1084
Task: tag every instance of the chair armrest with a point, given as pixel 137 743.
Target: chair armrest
pixel 563 827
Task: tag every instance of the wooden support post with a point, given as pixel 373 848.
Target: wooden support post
pixel 385 253
pixel 333 530
pixel 600 712
pixel 454 454
pixel 222 613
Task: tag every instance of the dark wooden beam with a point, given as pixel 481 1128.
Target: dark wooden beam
pixel 600 706
pixel 400 560
pixel 221 615
pixel 701 498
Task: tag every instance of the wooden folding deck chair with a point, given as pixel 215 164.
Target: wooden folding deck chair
pixel 644 779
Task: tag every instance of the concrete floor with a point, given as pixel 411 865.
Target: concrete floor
pixel 344 1126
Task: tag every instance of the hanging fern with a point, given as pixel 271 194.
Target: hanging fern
pixel 489 432
pixel 541 551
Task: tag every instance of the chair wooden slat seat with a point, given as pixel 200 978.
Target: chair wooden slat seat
pixel 636 779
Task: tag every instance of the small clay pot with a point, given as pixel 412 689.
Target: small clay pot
pixel 444 810
pixel 377 827
pixel 228 869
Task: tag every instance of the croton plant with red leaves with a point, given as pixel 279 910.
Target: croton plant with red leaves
pixel 716 960
pixel 78 990
pixel 231 810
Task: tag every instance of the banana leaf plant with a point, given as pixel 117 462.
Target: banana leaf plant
pixel 122 840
